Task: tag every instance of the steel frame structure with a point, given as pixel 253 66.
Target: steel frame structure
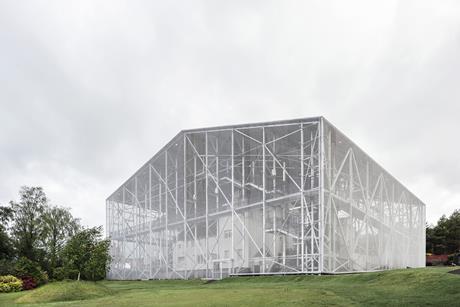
pixel 287 197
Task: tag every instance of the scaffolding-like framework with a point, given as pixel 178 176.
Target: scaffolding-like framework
pixel 284 197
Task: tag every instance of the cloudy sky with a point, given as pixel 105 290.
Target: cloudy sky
pixel 89 90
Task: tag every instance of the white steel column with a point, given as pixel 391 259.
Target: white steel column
pixel 124 233
pixel 150 220
pixel 166 209
pixel 302 201
pixel 263 199
pixel 350 226
pixel 321 163
pixel 207 206
pixel 185 207
pixel 233 202
pixel 242 169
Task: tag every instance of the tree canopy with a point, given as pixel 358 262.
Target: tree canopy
pixel 87 253
pixel 26 227
pixel 444 237
pixel 39 239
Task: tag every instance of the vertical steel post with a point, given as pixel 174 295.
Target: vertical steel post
pixel 243 188
pixel 321 193
pixel 194 207
pixel 263 199
pixel 217 175
pixel 185 206
pixel 124 232
pixel 136 222
pixel 302 201
pixel 311 208
pixel 233 201
pixel 367 209
pixel 166 209
pixel 207 204
pixel 350 226
pixel 150 220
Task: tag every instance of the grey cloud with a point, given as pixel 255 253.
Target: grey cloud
pixel 90 90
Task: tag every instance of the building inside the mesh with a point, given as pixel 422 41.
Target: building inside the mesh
pixel 285 197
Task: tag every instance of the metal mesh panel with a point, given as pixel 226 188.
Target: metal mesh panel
pixel 268 198
pixel 371 221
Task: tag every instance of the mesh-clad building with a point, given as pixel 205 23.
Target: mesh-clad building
pixel 285 197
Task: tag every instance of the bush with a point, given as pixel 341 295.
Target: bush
pixel 9 283
pixel 6 267
pixel 28 283
pixel 62 273
pixel 28 268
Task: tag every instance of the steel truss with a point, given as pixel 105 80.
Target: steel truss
pixel 275 198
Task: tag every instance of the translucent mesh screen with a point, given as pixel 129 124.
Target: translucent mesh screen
pixel 277 198
pixel 236 200
pixel 371 221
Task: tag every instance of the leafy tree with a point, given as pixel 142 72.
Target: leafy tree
pixel 88 254
pixel 452 232
pixel 58 225
pixel 444 237
pixel 96 267
pixel 26 227
pixel 6 245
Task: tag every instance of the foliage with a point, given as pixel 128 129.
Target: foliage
pixel 41 239
pixel 7 267
pixel 66 291
pixel 62 273
pixel 10 283
pixel 28 268
pixel 444 238
pixel 6 213
pixel 96 267
pixel 87 253
pixel 26 228
pixel 28 283
pixel 58 225
pixel 6 244
pixel 38 232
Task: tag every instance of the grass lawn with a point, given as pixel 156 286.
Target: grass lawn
pixel 415 287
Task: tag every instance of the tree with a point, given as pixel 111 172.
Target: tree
pixel 444 237
pixel 58 225
pixel 26 227
pixel 96 267
pixel 6 245
pixel 88 254
pixel 452 226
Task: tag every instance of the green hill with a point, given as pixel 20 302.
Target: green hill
pixel 414 287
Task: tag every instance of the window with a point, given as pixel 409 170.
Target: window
pixel 227 233
pixel 180 259
pixel 226 254
pixel 200 259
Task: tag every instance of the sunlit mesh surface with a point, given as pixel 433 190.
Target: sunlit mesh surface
pixel 271 198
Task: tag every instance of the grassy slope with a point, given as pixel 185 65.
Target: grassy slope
pixel 430 286
pixel 65 291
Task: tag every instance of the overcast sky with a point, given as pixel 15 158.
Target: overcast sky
pixel 90 90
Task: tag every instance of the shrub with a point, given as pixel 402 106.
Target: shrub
pixel 9 283
pixel 28 268
pixel 28 283
pixel 6 267
pixel 87 253
pixel 62 273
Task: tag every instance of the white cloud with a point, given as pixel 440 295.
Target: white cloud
pixel 90 90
